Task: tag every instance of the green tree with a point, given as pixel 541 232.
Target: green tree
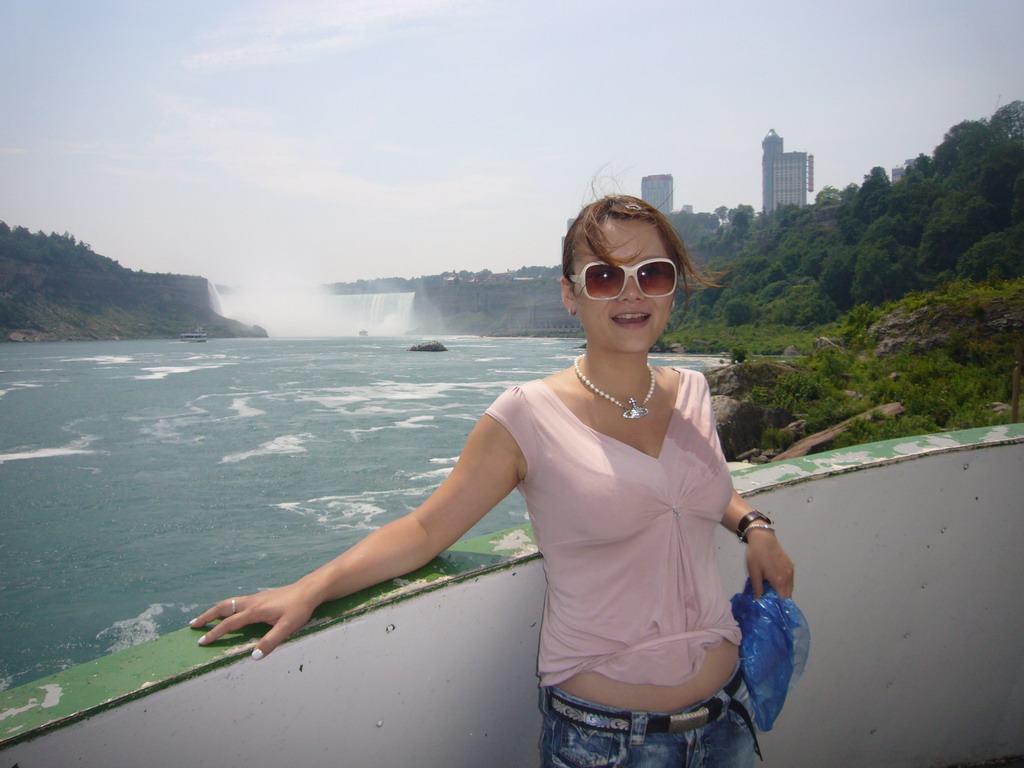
pixel 883 272
pixel 995 257
pixel 1008 121
pixel 958 221
pixel 962 144
pixel 803 305
pixel 739 311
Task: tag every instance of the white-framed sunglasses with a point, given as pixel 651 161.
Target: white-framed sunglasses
pixel 602 281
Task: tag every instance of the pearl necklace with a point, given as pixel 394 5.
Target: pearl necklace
pixel 634 410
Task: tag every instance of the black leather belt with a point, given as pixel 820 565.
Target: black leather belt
pixel 622 721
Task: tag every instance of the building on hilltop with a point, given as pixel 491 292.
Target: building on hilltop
pixel 901 170
pixel 786 177
pixel 657 191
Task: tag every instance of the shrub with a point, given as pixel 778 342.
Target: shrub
pixel 776 438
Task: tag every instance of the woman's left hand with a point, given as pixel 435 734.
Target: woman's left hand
pixel 768 561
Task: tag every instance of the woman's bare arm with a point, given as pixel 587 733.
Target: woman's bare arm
pixel 489 468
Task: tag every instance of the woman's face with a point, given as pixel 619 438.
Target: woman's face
pixel 632 322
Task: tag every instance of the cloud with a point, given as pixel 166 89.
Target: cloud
pixel 291 31
pixel 229 145
pixel 242 146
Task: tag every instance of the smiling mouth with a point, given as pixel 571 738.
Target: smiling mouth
pixel 631 317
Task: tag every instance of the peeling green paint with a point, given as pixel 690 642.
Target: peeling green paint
pixel 860 457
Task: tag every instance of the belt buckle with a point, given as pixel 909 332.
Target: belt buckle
pixel 688 721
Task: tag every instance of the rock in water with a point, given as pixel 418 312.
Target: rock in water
pixel 429 346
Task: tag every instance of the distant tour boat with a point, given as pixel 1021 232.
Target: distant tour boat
pixel 364 333
pixel 197 335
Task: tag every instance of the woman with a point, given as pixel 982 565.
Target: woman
pixel 624 479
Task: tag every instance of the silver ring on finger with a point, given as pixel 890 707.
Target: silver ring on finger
pixel 234 608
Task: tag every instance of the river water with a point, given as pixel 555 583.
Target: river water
pixel 141 481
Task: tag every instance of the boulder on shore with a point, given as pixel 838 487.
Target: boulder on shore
pixel 741 422
pixel 429 346
pixel 740 379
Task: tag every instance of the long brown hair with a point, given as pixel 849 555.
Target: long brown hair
pixel 586 234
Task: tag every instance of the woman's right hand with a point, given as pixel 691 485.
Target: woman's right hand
pixel 286 609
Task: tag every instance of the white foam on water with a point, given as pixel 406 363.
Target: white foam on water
pixel 168 427
pixel 376 410
pixel 240 405
pixel 163 371
pixel 494 386
pixel 449 460
pixel 413 422
pixel 101 359
pixel 74 448
pixel 332 402
pixel 338 512
pixel 385 396
pixel 16 385
pixel 131 632
pixel 434 474
pixel 279 446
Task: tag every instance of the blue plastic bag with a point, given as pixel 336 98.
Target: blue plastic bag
pixel 773 651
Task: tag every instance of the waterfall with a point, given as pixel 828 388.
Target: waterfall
pixel 214 298
pixel 379 314
pixel 311 312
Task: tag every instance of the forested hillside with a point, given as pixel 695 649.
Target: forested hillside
pixel 54 287
pixel 957 213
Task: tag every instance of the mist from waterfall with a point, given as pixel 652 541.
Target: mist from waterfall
pixel 306 311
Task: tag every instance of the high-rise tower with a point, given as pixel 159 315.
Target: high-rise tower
pixel 657 191
pixel 785 176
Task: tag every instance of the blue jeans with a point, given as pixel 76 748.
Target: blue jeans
pixel 727 742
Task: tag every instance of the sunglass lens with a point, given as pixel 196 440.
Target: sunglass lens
pixel 657 278
pixel 604 281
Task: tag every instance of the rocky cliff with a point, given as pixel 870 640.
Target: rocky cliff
pixel 935 325
pixel 516 307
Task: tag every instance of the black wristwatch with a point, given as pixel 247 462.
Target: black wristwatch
pixel 749 518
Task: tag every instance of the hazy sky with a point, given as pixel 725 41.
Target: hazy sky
pixel 308 140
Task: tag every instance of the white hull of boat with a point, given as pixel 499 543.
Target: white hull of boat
pixel 908 564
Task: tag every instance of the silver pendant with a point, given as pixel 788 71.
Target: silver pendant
pixel 635 410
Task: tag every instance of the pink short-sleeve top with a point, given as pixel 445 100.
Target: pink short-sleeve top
pixel 633 589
